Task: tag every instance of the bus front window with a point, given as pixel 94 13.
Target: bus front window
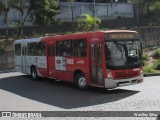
pixel 123 54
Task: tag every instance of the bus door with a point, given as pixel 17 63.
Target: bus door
pixel 50 60
pixel 96 63
pixel 24 57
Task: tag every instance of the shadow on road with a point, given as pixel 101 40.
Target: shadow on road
pixel 61 94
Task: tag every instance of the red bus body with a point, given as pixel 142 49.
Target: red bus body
pixel 92 65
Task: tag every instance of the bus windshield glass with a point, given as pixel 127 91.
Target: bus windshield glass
pixel 123 54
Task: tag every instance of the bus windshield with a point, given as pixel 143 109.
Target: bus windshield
pixel 123 54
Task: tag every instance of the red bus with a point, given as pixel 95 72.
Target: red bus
pixel 105 59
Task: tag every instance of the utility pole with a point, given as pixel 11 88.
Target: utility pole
pixel 6 7
pixel 137 12
pixel 72 15
pixel 94 5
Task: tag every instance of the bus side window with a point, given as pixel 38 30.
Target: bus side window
pixel 65 48
pixel 33 49
pixel 41 49
pixel 17 49
pixel 80 48
pixel 99 53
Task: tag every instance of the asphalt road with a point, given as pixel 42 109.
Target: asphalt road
pixel 18 92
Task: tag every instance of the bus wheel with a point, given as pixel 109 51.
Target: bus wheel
pixel 34 73
pixel 81 81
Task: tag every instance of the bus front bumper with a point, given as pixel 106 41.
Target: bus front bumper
pixel 113 83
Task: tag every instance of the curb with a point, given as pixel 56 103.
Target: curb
pixel 149 75
pixel 7 71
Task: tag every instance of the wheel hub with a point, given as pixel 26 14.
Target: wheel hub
pixel 82 82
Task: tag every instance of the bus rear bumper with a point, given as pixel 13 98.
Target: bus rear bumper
pixel 113 83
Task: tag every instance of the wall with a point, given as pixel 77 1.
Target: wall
pixel 150 36
pixel 102 10
pixel 7 60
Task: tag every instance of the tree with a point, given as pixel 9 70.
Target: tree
pixel 4 9
pixel 44 12
pixel 88 23
pixel 19 5
pixel 155 12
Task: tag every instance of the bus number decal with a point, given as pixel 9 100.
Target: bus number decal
pixel 70 61
pixel 80 62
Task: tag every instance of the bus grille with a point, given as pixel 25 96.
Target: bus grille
pixel 128 74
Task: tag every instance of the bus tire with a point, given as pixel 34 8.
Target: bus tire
pixel 34 74
pixel 81 82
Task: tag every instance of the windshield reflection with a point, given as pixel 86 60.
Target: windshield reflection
pixel 123 53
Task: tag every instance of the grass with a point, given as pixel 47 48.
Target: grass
pixel 145 57
pixel 156 54
pixel 151 60
pixel 156 65
pixel 148 69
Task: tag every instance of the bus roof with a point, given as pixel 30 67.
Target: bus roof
pixel 100 31
pixel 28 40
pixel 84 34
pixel 74 35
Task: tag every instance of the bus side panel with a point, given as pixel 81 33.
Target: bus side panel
pixel 32 61
pixel 62 70
pixel 72 64
pixel 76 64
pixel 42 66
pixel 17 57
pixel 28 66
pixel 18 63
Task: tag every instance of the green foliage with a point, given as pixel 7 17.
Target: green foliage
pixel 44 12
pixel 156 54
pixel 18 5
pixel 104 28
pixel 16 26
pixel 145 57
pixel 154 12
pixel 156 65
pixel 88 23
pixel 147 69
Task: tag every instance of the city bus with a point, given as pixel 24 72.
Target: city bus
pixel 106 59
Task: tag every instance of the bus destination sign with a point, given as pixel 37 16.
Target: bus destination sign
pixel 122 36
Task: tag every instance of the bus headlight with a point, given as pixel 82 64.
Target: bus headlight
pixel 109 74
pixel 141 71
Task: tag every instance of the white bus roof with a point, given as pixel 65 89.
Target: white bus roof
pixel 28 40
